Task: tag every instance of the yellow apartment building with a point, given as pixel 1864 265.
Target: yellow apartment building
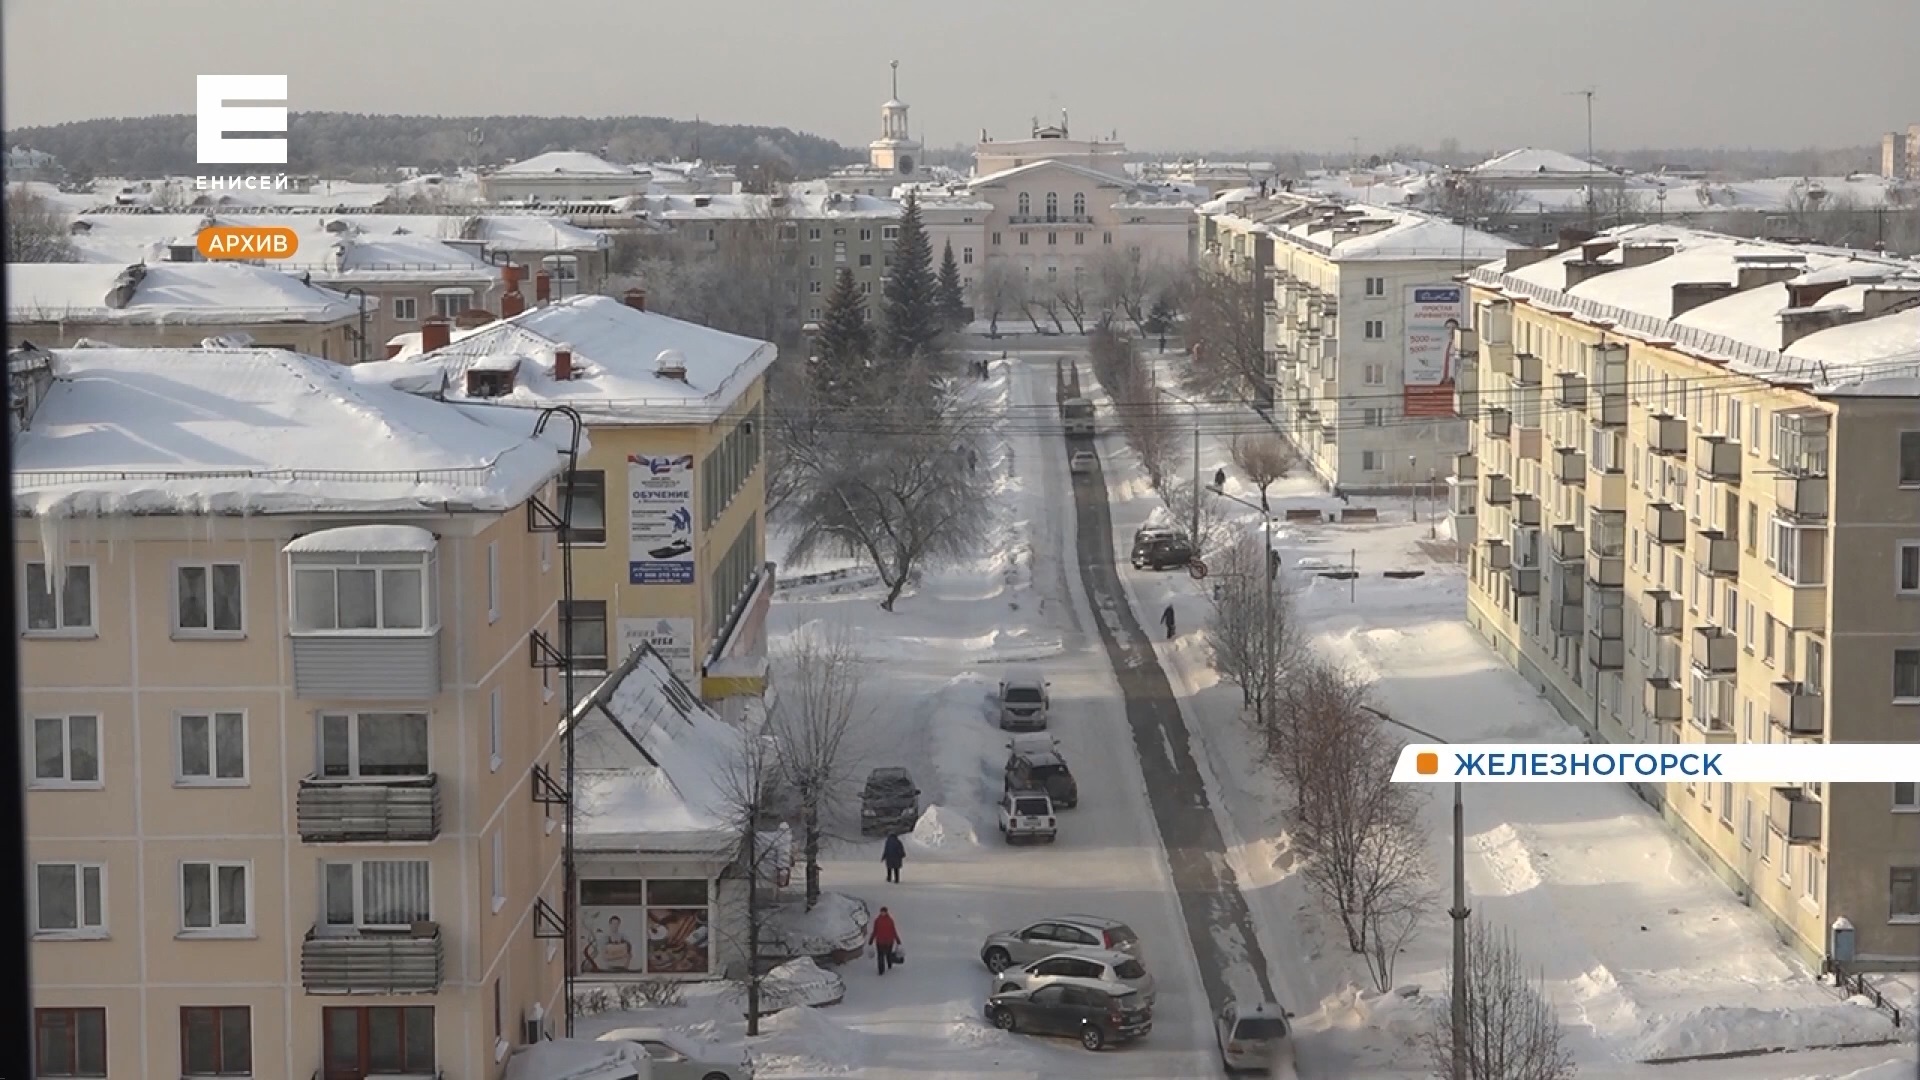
pixel 1693 499
pixel 669 506
pixel 287 746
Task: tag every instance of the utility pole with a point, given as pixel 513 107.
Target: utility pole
pixel 1592 208
pixel 1194 536
pixel 1459 913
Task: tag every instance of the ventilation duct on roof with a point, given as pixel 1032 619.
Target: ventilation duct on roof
pixel 126 286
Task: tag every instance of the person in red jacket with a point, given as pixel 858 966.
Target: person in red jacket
pixel 884 938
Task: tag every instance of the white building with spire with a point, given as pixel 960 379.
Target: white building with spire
pixel 892 159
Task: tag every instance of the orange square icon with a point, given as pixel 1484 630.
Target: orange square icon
pixel 1426 763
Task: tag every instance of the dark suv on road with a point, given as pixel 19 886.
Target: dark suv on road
pixel 1041 768
pixel 1097 1013
pixel 1156 547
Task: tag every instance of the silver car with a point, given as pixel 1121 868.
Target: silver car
pixel 1057 934
pixel 1255 1037
pixel 675 1055
pixel 1096 965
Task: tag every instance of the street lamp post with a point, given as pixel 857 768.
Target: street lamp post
pixel 360 346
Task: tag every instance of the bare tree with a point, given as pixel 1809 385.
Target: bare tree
pixel 1251 631
pixel 1194 508
pixel 746 282
pixel 1511 1031
pixel 744 786
pixel 36 229
pixel 1226 329
pixel 1476 202
pixel 1072 300
pixel 1149 427
pixel 1047 300
pixel 818 709
pixel 1263 459
pixel 1129 284
pixel 998 291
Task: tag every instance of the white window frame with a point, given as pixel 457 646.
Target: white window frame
pixel 496 727
pixel 1899 448
pixel 1373 374
pixel 181 778
pixel 1374 330
pixel 65 779
pixel 1899 698
pixel 1369 461
pixel 563 268
pixel 1903 917
pixel 444 300
pixel 1375 417
pixel 405 308
pixel 497 871
pixel 426 563
pixel 207 567
pixel 354 763
pixel 81 930
pixel 1376 286
pixel 1905 551
pixel 61 628
pixel 890 232
pixel 359 889
pixel 1911 803
pixel 493 581
pixel 215 927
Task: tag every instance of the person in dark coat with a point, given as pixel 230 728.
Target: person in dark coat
pixel 1167 618
pixel 884 938
pixel 1273 565
pixel 1219 478
pixel 893 854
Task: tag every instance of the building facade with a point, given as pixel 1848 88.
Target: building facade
pixel 563 176
pixel 1695 470
pixel 285 734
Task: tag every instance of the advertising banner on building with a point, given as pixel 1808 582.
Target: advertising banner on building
pixel 671 638
pixel 644 940
pixel 660 519
pixel 1432 313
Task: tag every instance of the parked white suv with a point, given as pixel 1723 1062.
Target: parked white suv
pixel 1098 965
pixel 1027 815
pixel 1024 700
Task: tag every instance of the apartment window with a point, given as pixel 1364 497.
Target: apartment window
pixel 496 728
pixel 69 1042
pixel 1376 286
pixel 405 308
pixel 1375 330
pixel 69 900
pixel 1053 238
pixel 813 234
pixel 1373 417
pixel 371 591
pixel 493 581
pixel 583 503
pixel 996 239
pixel 1106 238
pixel 813 314
pixel 376 1040
pixel 66 751
pixel 216 897
pixel 1726 805
pixel 1905 797
pixel 866 259
pixel 1903 894
pixel 1814 672
pixel 1023 237
pixel 1768 642
pixel 890 232
pixel 589 621
pixel 1907 567
pixel 1746 823
pixel 216 1041
pixel 1910 459
pixel 1080 239
pixel 497 868
pixel 1369 461
pixel 866 234
pixel 813 286
pixel 1797 554
pixel 813 262
pixel 1026 204
pixel 373 745
pixel 66 610
pixel 966 255
pixel 866 288
pixel 1374 374
pixel 1751 624
pixel 1754 429
pixel 1733 611
pixel 213 748
pixel 450 303
pixel 375 894
pixel 1906 676
pixel 207 598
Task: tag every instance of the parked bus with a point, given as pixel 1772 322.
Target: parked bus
pixel 1077 414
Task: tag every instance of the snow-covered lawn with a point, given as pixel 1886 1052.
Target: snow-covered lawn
pixel 1645 954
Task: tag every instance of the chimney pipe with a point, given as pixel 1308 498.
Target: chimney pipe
pixel 563 364
pixel 542 288
pixel 510 273
pixel 393 350
pixel 637 299
pixel 435 334
pixel 512 303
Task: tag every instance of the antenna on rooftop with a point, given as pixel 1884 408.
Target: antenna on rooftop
pixel 1591 207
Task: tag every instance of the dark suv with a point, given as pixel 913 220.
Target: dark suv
pixel 890 803
pixel 1038 768
pixel 1156 547
pixel 1098 1014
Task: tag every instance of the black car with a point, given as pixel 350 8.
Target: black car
pixel 1097 1014
pixel 1156 547
pixel 890 803
pixel 1033 768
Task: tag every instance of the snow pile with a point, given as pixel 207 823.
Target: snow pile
pixel 1719 1029
pixel 941 831
pixel 837 924
pixel 800 982
pixel 805 1042
pixel 1892 1070
pixel 969 749
pixel 577 1059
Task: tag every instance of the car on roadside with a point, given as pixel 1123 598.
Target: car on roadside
pixel 675 1055
pixel 890 803
pixel 1157 547
pixel 1057 934
pixel 1028 815
pixel 1254 1037
pixel 1082 462
pixel 1098 1015
pixel 1080 965
pixel 1034 764
pixel 1024 700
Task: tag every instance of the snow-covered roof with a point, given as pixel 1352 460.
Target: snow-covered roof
pixel 190 294
pixel 563 163
pixel 653 764
pixel 1890 344
pixel 1533 161
pixel 1395 235
pixel 617 352
pixel 1105 179
pixel 358 247
pixel 352 539
pixel 578 1059
pixel 260 431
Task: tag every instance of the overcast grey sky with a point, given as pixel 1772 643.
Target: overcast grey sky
pixel 1170 74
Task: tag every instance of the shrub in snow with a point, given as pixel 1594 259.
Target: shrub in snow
pixel 1511 1030
pixel 835 928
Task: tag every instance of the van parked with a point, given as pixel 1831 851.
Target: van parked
pixel 1023 700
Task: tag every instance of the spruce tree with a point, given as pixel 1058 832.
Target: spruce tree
pixel 952 298
pixel 845 343
pixel 910 322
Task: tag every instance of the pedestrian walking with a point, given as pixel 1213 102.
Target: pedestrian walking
pixel 893 854
pixel 1273 565
pixel 885 938
pixel 1219 478
pixel 973 461
pixel 1167 618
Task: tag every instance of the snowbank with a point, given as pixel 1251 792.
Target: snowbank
pixel 577 1059
pixel 1719 1029
pixel 941 831
pixel 800 982
pixel 837 924
pixel 804 1042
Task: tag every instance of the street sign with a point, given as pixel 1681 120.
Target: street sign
pixel 1198 569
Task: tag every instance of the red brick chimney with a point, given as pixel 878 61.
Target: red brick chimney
pixel 542 287
pixel 511 302
pixel 393 350
pixel 435 334
pixel 637 299
pixel 563 364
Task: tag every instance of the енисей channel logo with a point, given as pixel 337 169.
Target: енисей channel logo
pixel 226 107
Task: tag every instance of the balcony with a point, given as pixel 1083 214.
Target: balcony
pixel 1607 412
pixel 1526 370
pixel 1572 393
pixel 1049 219
pixel 1569 620
pixel 1796 709
pixel 1329 434
pixel 1607 619
pixel 1605 571
pixel 1717 459
pixel 1666 524
pixel 1667 435
pixel 1525 580
pixel 383 666
pixel 1499 489
pixel 1796 815
pixel 1466 466
pixel 1466 391
pixel 1526 511
pixel 370 962
pixel 1807 609
pixel 1569 544
pixel 1801 497
pixel 1713 702
pixel 1466 343
pixel 1663 612
pixel 1715 651
pixel 1663 699
pixel 1499 555
pixel 1463 497
pixel 1606 654
pixel 1570 465
pixel 330 811
pixel 1330 388
pixel 1499 423
pixel 1719 554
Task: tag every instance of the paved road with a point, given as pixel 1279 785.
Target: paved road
pixel 1218 922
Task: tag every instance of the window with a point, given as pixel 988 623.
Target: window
pixel 499 1019
pixel 66 751
pixel 1374 374
pixel 376 893
pixel 813 234
pixel 1079 204
pixel 1369 461
pixel 1726 805
pixel 1023 236
pixel 1746 823
pixel 966 255
pixel 1373 417
pixel 866 259
pixel 1797 554
pixel 672 913
pixel 589 621
pixel 497 857
pixel 1080 239
pixel 712 235
pixel 1053 206
pixel 405 308
pixel 206 598
pixel 69 900
pixel 215 898
pixel 493 581
pixel 496 734
pixel 866 288
pixel 1814 672
pixel 449 303
pixel 1905 797
pixel 996 239
pixel 1903 894
pixel 813 286
pixel 1751 624
pixel 69 610
pixel 1376 286
pixel 213 748
pixel 1768 652
pixel 376 1040
pixel 1907 562
pixel 216 1041
pixel 373 745
pixel 365 592
pixel 1906 676
pixel 839 251
pixel 584 505
pixel 70 1042
pixel 813 262
pixel 866 234
pixel 1910 459
pixel 890 232
pixel 1026 204
pixel 1106 238
pixel 1375 330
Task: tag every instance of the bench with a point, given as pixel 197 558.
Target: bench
pixel 1303 515
pixel 1356 513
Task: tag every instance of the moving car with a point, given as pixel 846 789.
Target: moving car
pixel 1034 764
pixel 1254 1036
pixel 1027 815
pixel 1057 934
pixel 1095 1013
pixel 1157 547
pixel 1024 700
pixel 890 803
pixel 1083 461
pixel 1093 965
pixel 674 1055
